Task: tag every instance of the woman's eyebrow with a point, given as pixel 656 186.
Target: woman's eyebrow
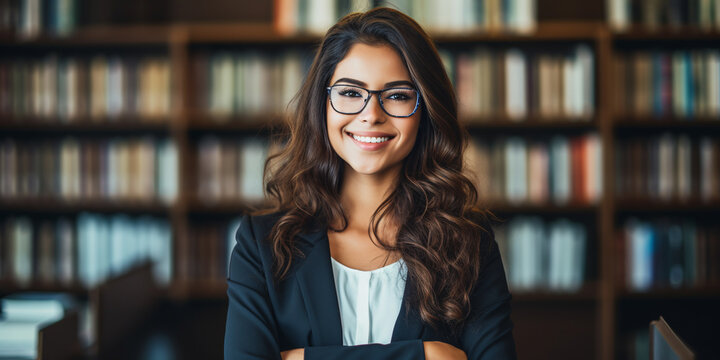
pixel 387 85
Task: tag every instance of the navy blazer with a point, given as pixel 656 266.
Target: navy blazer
pixel 302 310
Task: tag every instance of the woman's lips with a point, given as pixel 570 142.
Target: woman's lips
pixel 370 141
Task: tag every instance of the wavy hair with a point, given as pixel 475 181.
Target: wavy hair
pixel 439 236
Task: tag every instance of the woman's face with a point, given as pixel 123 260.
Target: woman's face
pixel 372 142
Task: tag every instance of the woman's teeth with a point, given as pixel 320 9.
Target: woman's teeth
pixel 371 139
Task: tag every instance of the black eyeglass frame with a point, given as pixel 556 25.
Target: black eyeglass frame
pixel 370 94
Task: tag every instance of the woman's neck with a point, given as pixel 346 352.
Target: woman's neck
pixel 362 194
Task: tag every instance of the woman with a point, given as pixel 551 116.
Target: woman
pixel 374 240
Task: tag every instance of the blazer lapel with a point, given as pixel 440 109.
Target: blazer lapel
pixel 317 285
pixel 407 326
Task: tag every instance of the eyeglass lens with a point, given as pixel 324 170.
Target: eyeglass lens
pixel 395 101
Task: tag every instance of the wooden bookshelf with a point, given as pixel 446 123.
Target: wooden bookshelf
pixel 596 301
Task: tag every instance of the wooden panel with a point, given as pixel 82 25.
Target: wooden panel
pixel 554 330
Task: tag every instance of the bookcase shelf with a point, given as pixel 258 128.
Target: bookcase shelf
pixel 669 294
pixel 648 206
pixel 97 36
pixel 664 34
pixel 529 123
pixel 587 293
pixel 666 123
pixel 60 206
pixel 258 123
pixel 8 287
pixel 549 208
pixel 597 298
pixel 123 125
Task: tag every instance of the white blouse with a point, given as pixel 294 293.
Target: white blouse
pixel 369 301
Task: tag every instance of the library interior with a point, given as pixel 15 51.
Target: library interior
pixel 133 136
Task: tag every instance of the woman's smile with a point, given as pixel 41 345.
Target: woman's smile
pixel 370 141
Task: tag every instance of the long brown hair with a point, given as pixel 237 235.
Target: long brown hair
pixel 439 237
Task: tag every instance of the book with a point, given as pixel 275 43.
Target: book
pixel 666 344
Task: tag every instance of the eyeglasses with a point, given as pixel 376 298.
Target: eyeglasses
pixel 351 100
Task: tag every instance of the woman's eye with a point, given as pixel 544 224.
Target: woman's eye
pixel 349 93
pixel 400 96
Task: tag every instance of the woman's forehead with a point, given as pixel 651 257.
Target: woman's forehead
pixel 373 65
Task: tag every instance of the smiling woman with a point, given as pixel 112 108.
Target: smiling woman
pixel 374 239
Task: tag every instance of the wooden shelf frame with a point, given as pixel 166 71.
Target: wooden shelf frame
pixel 180 40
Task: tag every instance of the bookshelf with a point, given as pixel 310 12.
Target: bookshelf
pixel 591 317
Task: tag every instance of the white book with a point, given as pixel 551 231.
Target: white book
pixel 571 90
pixel 640 255
pixel 118 243
pixel 578 237
pixel 525 15
pixel 221 84
pixel 18 339
pixel 586 62
pixel 115 87
pixel 516 169
pixel 72 90
pixel 321 15
pixel 556 249
pixel 292 77
pixel 618 12
pixel 560 163
pixel 163 253
pixel 256 82
pixel 70 168
pixel 167 171
pixel 242 88
pixel 30 18
pixel 66 19
pixel 252 160
pixel 22 250
pixel 65 236
pixel 679 84
pixel 516 93
pixel 102 257
pixel 49 86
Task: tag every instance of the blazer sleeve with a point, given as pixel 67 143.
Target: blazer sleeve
pixel 251 330
pixel 488 332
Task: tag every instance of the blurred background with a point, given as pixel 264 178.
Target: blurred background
pixel 133 134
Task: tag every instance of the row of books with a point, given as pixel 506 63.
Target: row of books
pixel 468 15
pixel 516 170
pixel 85 250
pixel 662 83
pixel 450 16
pixel 517 83
pixel 99 88
pixel 143 168
pixel 313 16
pixel 668 253
pixel 23 315
pixel 248 83
pixel 653 14
pixel 207 255
pixel 668 166
pixel 30 18
pixel 542 255
pixel 231 169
